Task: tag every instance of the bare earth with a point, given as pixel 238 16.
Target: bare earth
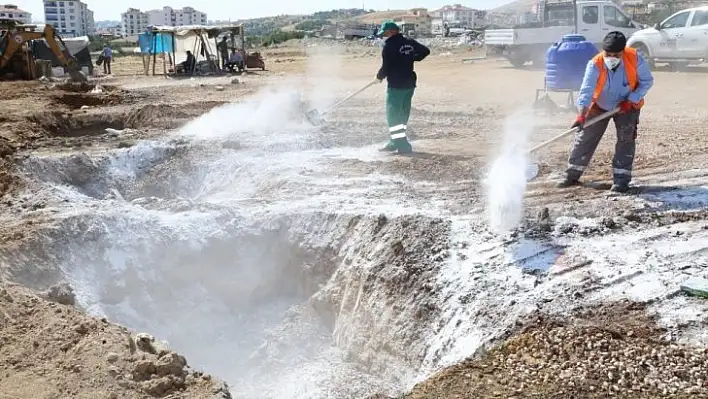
pixel 50 350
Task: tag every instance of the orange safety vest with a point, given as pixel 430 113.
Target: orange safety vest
pixel 629 58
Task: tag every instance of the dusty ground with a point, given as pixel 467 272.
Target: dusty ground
pixel 48 349
pixel 611 351
pixel 459 111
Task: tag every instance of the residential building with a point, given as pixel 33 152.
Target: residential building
pixel 10 11
pixel 133 22
pixel 418 20
pixel 457 15
pixel 176 17
pixel 111 31
pixel 71 18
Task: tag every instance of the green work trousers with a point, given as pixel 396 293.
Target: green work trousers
pixel 398 110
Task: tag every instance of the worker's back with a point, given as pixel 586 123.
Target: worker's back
pixel 399 54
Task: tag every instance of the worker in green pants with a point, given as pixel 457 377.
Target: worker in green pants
pixel 398 55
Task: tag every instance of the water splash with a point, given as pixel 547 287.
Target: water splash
pixel 505 183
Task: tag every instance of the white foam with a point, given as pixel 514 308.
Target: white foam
pixel 505 183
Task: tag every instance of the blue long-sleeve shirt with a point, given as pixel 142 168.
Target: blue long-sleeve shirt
pixel 616 86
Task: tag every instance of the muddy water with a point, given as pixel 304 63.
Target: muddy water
pixel 256 254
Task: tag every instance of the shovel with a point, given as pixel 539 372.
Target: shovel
pixel 532 169
pixel 316 118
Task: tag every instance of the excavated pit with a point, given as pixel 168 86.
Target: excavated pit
pixel 291 269
pixel 147 239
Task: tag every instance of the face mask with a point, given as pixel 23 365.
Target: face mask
pixel 612 62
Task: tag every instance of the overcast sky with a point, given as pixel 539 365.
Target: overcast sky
pixel 239 9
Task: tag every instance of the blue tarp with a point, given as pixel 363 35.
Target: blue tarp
pixel 163 43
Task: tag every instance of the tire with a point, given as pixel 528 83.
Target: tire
pixel 644 51
pixel 517 61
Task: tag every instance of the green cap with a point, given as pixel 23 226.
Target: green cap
pixel 388 25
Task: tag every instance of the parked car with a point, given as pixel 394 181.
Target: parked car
pixel 590 18
pixel 679 40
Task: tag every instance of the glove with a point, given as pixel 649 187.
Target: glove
pixel 579 122
pixel 625 107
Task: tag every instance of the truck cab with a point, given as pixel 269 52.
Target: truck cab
pixel 679 40
pixel 590 18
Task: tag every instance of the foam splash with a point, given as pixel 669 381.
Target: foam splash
pixel 270 111
pixel 505 183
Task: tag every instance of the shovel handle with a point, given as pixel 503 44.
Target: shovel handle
pixel 592 121
pixel 340 102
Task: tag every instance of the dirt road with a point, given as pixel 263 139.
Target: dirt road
pixel 294 261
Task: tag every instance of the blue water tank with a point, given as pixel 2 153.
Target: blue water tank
pixel 566 61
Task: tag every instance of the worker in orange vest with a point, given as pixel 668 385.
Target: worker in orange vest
pixel 618 77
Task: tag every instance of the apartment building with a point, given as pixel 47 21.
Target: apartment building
pixel 133 22
pixel 71 18
pixel 456 14
pixel 10 11
pixel 176 17
pixel 418 20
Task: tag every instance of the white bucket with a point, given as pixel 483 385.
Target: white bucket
pixel 85 70
pixel 58 72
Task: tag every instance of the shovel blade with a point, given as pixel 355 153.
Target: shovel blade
pixel 531 171
pixel 314 117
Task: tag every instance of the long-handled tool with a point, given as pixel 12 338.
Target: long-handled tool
pixel 532 169
pixel 316 118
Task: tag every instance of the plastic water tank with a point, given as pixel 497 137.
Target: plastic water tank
pixel 566 61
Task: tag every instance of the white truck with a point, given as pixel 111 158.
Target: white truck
pixel 590 18
pixel 679 40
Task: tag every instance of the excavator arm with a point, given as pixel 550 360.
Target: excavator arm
pixel 14 39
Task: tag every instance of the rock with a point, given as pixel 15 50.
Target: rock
pixel 235 81
pixel 61 293
pixel 144 342
pixel 162 386
pixel 609 223
pixel 171 364
pixel 219 88
pixel 143 370
pixel 112 357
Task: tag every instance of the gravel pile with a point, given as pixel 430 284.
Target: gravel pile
pixel 583 360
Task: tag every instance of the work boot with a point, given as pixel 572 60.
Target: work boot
pixel 403 146
pixel 568 182
pixel 620 187
pixel 389 147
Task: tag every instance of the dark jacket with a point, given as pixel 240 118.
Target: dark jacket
pixel 399 53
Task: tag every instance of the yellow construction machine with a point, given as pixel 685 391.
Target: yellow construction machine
pixel 16 55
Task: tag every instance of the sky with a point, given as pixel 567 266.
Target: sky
pixel 241 9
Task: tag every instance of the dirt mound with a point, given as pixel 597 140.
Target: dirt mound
pixel 613 351
pixel 53 350
pixel 78 100
pixel 156 115
pixel 82 87
pixel 63 124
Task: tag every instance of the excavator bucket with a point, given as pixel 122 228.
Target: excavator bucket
pixel 78 77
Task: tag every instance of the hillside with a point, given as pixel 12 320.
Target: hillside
pixel 379 16
pixel 517 6
pixel 266 25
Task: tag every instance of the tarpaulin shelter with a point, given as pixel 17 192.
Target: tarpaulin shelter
pixel 77 47
pixel 175 41
pixel 155 43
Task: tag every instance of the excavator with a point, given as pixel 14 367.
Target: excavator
pixel 15 53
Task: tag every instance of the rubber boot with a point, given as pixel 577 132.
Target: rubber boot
pixel 620 187
pixel 389 147
pixel 568 182
pixel 403 146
